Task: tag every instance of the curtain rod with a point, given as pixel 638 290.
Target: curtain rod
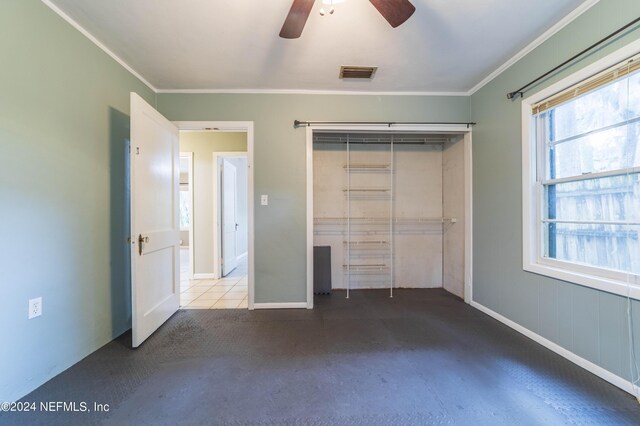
pixel 298 123
pixel 521 90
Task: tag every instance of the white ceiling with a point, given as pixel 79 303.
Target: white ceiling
pixel 446 46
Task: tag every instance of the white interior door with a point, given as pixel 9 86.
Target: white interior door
pixel 229 217
pixel 155 225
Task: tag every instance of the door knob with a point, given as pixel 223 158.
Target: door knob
pixel 141 240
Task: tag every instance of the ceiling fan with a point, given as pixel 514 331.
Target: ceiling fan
pixel 396 12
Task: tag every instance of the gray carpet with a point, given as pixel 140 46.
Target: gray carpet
pixel 423 357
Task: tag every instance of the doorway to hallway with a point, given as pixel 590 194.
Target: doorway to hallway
pixel 229 288
pixel 214 255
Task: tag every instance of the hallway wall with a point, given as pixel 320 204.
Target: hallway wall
pixel 203 145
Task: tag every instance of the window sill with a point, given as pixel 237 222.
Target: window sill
pixel 621 288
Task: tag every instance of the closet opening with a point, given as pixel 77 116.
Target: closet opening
pixel 389 209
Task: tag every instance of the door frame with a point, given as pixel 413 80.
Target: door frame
pixel 245 127
pixel 217 211
pixel 384 128
pixel 189 156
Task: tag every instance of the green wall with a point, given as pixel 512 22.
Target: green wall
pixel 280 163
pixel 590 323
pixel 64 129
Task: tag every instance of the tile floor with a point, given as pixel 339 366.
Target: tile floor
pixel 229 292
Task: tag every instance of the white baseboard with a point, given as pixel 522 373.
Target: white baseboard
pixel 243 256
pixel 204 276
pixel 618 381
pixel 289 305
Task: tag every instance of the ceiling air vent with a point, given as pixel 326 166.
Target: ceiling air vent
pixel 357 72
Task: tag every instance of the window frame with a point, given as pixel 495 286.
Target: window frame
pixel 621 283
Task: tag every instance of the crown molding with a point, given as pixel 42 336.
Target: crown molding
pixel 575 13
pixel 97 42
pixel 586 5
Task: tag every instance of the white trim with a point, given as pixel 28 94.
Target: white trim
pixel 286 305
pixel 591 222
pixel 384 127
pixel 575 13
pixel 468 183
pixel 468 217
pixel 309 147
pixel 250 216
pixel 529 217
pixel 618 381
pixel 532 260
pixel 239 126
pixel 609 285
pixel 208 276
pixel 97 42
pixel 217 201
pixel 192 261
pixel 590 176
pixel 215 126
pixel 310 92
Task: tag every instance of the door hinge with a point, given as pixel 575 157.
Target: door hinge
pixel 137 150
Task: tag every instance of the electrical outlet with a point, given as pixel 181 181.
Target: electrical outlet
pixel 264 200
pixel 35 307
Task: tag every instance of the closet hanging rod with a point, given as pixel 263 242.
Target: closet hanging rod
pixel 300 123
pixel 520 91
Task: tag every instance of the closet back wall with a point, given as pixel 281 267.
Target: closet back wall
pixel 386 220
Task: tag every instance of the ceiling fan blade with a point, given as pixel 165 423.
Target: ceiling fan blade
pixel 396 12
pixel 297 17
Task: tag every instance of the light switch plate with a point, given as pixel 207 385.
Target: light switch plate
pixel 264 200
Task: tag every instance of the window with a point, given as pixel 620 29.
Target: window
pixel 582 191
